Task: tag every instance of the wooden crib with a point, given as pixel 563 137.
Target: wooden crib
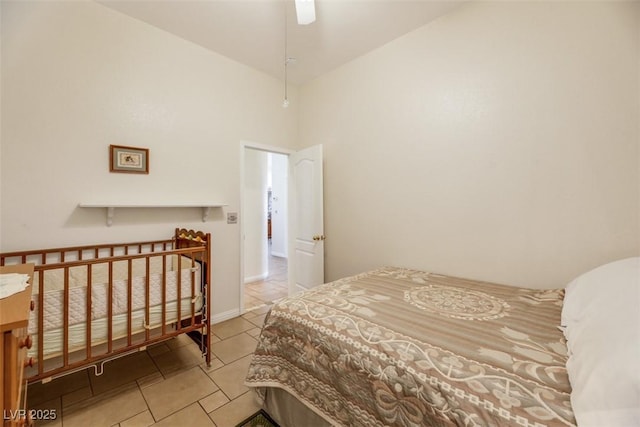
pixel 94 303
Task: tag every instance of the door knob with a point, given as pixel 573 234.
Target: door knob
pixel 318 237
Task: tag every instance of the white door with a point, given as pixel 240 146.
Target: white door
pixel 307 219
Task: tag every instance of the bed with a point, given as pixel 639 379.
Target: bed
pixel 94 303
pixel 402 347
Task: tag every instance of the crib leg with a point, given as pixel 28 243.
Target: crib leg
pixel 208 344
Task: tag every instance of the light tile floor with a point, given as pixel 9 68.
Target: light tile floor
pixel 166 385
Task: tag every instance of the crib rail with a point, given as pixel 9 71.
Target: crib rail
pixel 61 255
pixel 188 254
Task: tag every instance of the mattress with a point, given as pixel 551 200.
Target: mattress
pixel 400 347
pixel 53 297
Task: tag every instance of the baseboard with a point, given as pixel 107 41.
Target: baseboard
pixel 278 254
pixel 221 317
pixel 301 288
pixel 252 279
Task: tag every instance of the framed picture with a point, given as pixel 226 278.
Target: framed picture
pixel 128 159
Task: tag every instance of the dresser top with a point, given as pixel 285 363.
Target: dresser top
pixel 14 309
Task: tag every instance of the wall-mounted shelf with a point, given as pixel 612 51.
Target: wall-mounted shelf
pixel 111 207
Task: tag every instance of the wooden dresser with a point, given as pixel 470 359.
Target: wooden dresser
pixel 14 318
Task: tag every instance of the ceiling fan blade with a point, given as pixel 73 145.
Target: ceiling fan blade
pixel 306 11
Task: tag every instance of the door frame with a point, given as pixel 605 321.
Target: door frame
pixel 248 145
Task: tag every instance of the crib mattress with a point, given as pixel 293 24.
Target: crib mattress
pixel 54 338
pixel 54 300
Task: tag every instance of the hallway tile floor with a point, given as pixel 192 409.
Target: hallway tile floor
pixel 275 286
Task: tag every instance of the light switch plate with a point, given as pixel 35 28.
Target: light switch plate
pixel 232 217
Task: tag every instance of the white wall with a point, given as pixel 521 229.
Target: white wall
pixel 77 77
pixel 499 142
pixel 256 262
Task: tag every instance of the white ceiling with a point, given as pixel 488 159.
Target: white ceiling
pixel 253 32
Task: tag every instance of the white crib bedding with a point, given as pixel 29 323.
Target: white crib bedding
pixel 54 309
pixel 53 338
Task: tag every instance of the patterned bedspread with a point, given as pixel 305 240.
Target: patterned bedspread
pixel 398 347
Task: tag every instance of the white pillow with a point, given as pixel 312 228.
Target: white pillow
pixel 601 321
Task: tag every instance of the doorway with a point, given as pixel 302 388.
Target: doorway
pixel 265 227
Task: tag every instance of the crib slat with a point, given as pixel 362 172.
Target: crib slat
pixel 164 294
pixel 179 300
pixel 193 288
pixel 110 310
pixel 147 298
pixel 89 304
pixel 40 322
pixel 65 334
pixel 129 298
pixel 207 296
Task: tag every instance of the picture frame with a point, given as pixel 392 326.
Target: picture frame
pixel 124 159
